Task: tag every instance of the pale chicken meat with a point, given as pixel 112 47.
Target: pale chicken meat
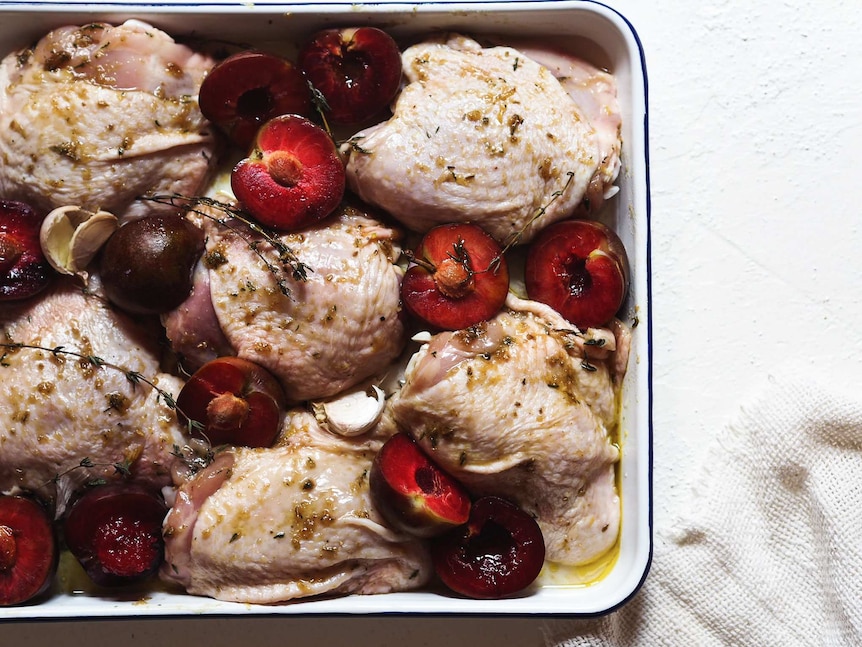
pixel 98 115
pixel 85 411
pixel 485 135
pixel 595 92
pixel 523 406
pixel 334 328
pixel 293 521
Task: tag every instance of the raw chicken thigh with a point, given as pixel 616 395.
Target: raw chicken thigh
pixel 595 92
pixel 96 116
pixel 480 134
pixel 522 407
pixel 56 410
pixel 271 525
pixel 336 328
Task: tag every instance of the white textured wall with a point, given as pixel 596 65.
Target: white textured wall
pixel 756 162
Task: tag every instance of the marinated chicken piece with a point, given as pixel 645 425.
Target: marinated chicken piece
pixel 480 134
pixel 61 412
pixel 98 115
pixel 523 407
pixel 595 92
pixel 193 327
pixel 296 520
pixel 333 330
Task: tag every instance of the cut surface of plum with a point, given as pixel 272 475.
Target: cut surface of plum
pixel 115 533
pixel 412 493
pixel 356 69
pixel 237 401
pixel 459 277
pixel 293 176
pixel 28 550
pixel 249 88
pixel 579 268
pixel 24 270
pixel 498 552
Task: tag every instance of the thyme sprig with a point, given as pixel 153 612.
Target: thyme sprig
pixel 195 456
pixel 355 146
pixel 589 342
pixel 514 238
pixel 134 377
pixel 123 468
pixel 287 260
pixel 321 106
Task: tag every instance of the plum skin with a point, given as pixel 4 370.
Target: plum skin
pixel 146 265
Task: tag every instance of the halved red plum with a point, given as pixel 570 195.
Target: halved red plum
pixel 249 88
pixel 498 552
pixel 293 177
pixel 28 550
pixel 356 69
pixel 115 533
pixel 24 270
pixel 237 402
pixel 413 493
pixel 579 268
pixel 460 277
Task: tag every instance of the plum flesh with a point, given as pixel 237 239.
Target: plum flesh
pixel 237 402
pixel 579 268
pixel 459 277
pixel 28 550
pixel 357 70
pixel 24 270
pixel 412 493
pixel 498 552
pixel 114 531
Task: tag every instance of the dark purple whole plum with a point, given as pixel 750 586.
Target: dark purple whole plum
pixel 146 266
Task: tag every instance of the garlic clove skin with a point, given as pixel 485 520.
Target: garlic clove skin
pixel 70 237
pixel 352 413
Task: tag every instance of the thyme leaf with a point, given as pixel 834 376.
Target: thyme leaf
pixel 320 105
pixel 516 236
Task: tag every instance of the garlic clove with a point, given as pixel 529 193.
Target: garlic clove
pixel 54 236
pixel 89 237
pixel 71 237
pixel 352 413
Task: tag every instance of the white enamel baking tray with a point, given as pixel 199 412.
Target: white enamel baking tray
pixel 590 29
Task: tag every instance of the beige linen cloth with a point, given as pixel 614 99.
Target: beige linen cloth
pixel 769 550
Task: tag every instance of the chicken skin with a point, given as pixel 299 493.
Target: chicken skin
pixel 480 134
pixel 296 520
pixel 523 407
pixel 98 115
pixel 65 419
pixel 335 327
